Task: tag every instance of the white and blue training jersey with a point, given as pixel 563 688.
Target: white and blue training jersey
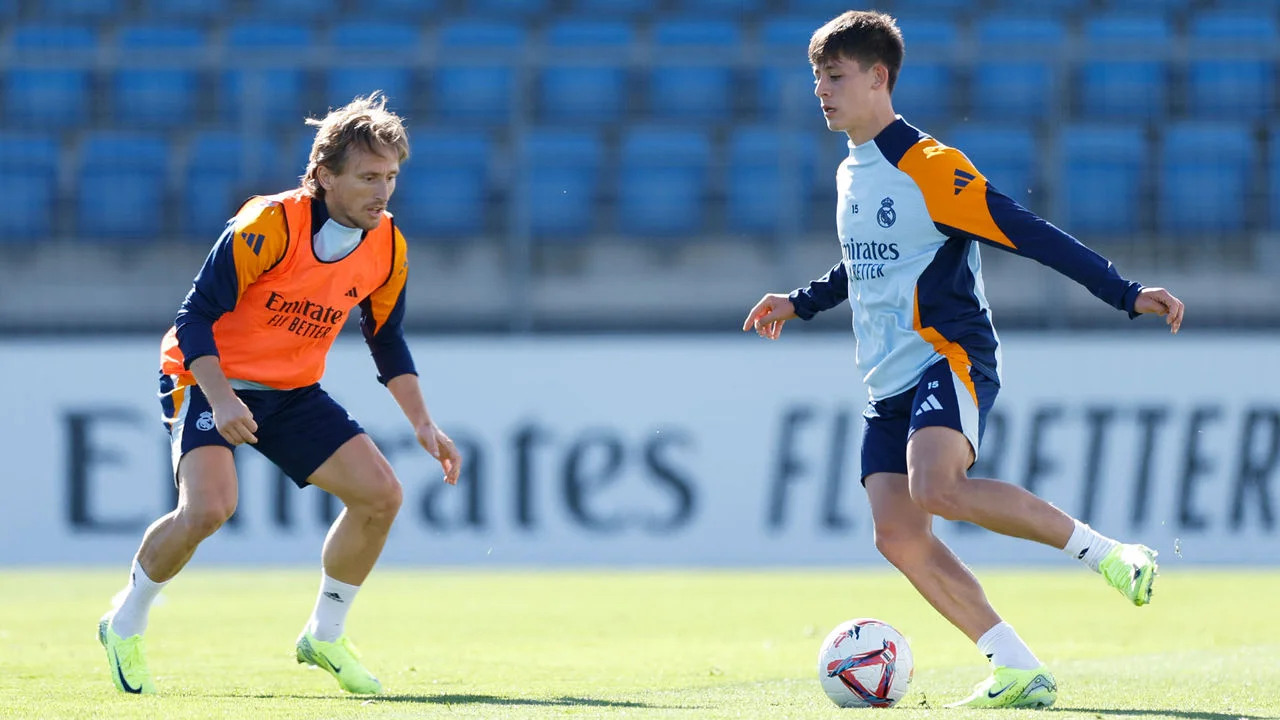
pixel 910 212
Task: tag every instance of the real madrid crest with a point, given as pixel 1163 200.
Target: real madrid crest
pixel 886 216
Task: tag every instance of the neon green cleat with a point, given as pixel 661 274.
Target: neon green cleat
pixel 341 660
pixel 1132 570
pixel 1009 688
pixel 126 659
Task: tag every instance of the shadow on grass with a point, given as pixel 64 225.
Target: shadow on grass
pixel 465 699
pixel 1187 714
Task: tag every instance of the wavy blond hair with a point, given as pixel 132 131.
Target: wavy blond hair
pixel 366 122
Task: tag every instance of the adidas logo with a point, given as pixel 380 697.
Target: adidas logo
pixel 963 179
pixel 352 292
pixel 930 403
pixel 333 596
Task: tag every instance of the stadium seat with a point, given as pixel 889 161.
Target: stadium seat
pixel 29 186
pixel 309 12
pixel 662 182
pixel 271 88
pixel 392 45
pixel 614 8
pixel 157 92
pixel 9 10
pixel 407 10
pixel 121 189
pixel 719 8
pixel 1005 155
pixel 562 171
pixel 1062 9
pixel 1273 176
pixel 587 81
pixel 1266 6
pixel 171 10
pixel 443 190
pixel 63 11
pixel 1103 180
pixel 1016 76
pixel 1206 171
pixel 1124 74
pixel 475 84
pixel 1164 8
pixel 1231 73
pixel 769 179
pixel 223 169
pixel 49 98
pixel 525 10
pixel 926 90
pixel 692 78
pixel 785 79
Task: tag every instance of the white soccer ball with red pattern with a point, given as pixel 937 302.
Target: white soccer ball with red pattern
pixel 865 663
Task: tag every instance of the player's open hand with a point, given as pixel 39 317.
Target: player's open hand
pixel 234 421
pixel 767 317
pixel 434 441
pixel 1161 302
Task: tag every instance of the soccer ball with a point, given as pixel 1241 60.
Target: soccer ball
pixel 865 663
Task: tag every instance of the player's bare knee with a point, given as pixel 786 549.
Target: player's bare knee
pixel 940 494
pixel 383 497
pixel 204 518
pixel 902 547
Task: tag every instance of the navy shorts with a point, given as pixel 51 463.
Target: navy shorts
pixel 297 429
pixel 942 398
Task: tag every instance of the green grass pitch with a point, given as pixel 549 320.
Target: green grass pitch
pixel 634 644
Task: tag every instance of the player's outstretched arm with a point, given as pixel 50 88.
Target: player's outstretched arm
pixel 408 394
pixel 1159 301
pixel 767 317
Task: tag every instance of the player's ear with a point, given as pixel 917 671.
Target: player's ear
pixel 324 177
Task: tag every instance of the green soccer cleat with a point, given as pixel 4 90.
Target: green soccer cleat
pixel 1009 688
pixel 125 657
pixel 341 660
pixel 1131 569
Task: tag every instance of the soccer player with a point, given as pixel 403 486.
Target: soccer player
pixel 242 364
pixel 911 215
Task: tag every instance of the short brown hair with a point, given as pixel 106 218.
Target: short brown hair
pixel 365 121
pixel 867 36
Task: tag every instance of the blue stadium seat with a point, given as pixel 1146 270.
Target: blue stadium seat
pixel 694 80
pixel 562 171
pixel 769 182
pixel 78 10
pixel 309 12
pixel 1016 75
pixel 122 183
pixel 720 8
pixel 49 98
pixel 29 186
pixel 522 9
pixel 1063 9
pixel 927 87
pixel 155 92
pixel 1205 179
pixel 662 182
pixel 169 10
pixel 1124 75
pixel 1273 176
pixel 475 83
pixel 410 10
pixel 1165 8
pixel 1266 6
pixel 1103 181
pixel 392 44
pixel 784 83
pixel 273 87
pixel 587 83
pixel 9 10
pixel 615 8
pixel 1006 155
pixel 443 191
pixel 223 169
pixel 1231 74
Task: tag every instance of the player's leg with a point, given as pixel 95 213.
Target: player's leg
pixel 319 444
pixel 206 478
pixel 951 405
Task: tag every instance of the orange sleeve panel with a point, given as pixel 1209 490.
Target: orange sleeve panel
pixel 260 239
pixel 954 191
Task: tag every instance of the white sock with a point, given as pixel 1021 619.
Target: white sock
pixel 1088 546
pixel 130 617
pixel 330 614
pixel 1004 648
